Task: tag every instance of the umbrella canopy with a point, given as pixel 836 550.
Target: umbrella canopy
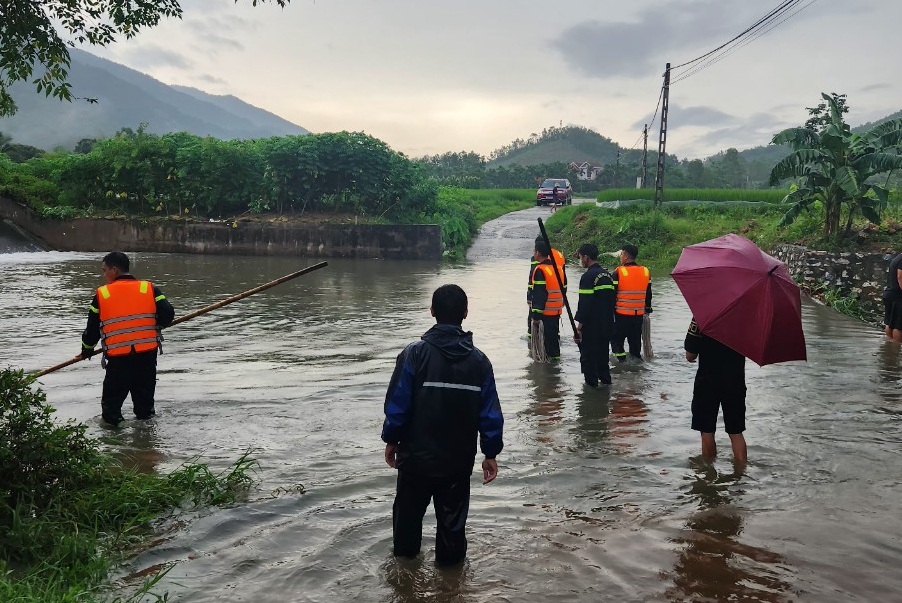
pixel 743 298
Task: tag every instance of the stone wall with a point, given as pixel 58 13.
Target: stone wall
pixel 406 241
pixel 855 274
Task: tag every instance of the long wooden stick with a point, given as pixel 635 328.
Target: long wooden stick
pixel 197 313
pixel 557 273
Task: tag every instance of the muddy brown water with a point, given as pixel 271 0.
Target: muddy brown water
pixel 601 495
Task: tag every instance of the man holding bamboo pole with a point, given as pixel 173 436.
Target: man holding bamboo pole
pixel 126 316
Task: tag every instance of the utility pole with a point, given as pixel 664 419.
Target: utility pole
pixel 662 139
pixel 644 154
pixel 617 169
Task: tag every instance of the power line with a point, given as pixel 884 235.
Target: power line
pixel 653 117
pixel 758 34
pixel 768 17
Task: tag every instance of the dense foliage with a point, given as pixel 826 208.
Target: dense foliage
pixel 67 508
pixel 137 173
pixel 836 168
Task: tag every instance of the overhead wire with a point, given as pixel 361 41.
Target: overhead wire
pixel 653 117
pixel 755 30
pixel 714 60
pixel 768 17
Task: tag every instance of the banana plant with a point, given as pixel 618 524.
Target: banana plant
pixel 835 167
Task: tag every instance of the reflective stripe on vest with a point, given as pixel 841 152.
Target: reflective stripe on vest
pixel 554 305
pixel 632 284
pixel 128 318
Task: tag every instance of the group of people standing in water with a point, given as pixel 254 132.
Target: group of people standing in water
pixel 611 311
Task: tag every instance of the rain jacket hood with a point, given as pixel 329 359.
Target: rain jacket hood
pixel 452 341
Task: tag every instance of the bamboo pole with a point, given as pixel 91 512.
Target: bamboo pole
pixel 200 312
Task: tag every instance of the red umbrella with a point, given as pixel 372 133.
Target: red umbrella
pixel 743 298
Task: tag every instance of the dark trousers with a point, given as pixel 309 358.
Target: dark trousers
pixel 135 374
pixel 451 500
pixel 629 328
pixel 593 357
pixel 552 336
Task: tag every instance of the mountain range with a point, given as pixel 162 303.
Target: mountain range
pixel 125 99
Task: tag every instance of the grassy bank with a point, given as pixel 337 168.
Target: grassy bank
pixel 461 212
pixel 661 234
pixel 695 194
pixel 68 511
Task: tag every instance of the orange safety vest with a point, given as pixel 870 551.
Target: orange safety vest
pixel 632 284
pixel 560 261
pixel 128 317
pixel 554 305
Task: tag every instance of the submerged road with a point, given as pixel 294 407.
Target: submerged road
pixel 601 495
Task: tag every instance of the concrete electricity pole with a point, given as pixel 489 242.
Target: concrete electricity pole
pixel 662 139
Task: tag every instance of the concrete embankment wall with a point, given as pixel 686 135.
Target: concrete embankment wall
pixel 855 274
pixel 406 241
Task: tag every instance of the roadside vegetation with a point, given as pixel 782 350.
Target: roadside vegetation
pixel 661 233
pixel 341 178
pixel 464 211
pixel 695 194
pixel 70 514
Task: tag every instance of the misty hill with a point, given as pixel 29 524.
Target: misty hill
pixel 570 143
pixel 576 143
pixel 126 98
pixel 871 124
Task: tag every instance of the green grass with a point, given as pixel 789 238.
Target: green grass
pixel 659 234
pixel 695 194
pixel 461 212
pixel 69 512
pixel 662 233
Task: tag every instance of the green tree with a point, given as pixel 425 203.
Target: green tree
pixel 834 167
pixel 34 34
pixel 730 168
pixel 819 117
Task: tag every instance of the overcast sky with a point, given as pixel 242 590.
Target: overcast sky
pixel 472 75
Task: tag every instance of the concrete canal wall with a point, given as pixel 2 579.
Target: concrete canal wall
pixel 859 275
pixel 405 241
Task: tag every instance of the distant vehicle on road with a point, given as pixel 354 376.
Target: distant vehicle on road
pixel 545 194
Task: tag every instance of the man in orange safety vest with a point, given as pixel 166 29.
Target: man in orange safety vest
pixel 632 284
pixel 126 316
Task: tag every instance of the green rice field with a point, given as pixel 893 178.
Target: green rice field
pixel 696 194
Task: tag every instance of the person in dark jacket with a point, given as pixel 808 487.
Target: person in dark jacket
pixel 594 317
pixel 442 393
pixel 126 316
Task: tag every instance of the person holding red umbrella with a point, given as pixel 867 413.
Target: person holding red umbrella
pixel 892 300
pixel 719 382
pixel 745 304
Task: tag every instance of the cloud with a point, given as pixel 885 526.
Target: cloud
pixel 757 129
pixel 638 49
pixel 873 87
pixel 678 117
pixel 150 57
pixel 210 79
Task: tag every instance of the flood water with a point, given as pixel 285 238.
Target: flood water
pixel 601 494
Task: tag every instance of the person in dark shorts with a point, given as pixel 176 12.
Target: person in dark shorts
pixel 892 300
pixel 719 383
